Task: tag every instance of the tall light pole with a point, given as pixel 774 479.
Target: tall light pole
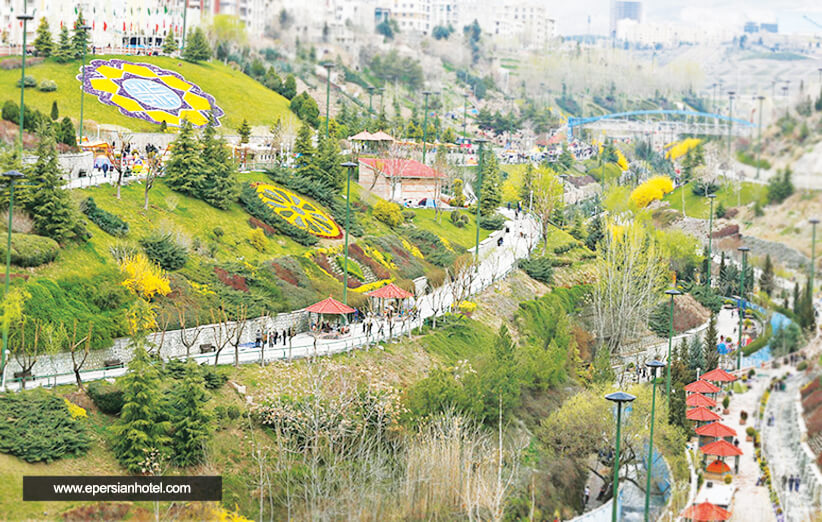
pixel 711 198
pixel 619 398
pixel 85 28
pixel 370 96
pixel 730 120
pixel 477 190
pixel 673 292
pixel 381 90
pixel 742 307
pixel 24 17
pixel 350 166
pixel 653 365
pixel 813 222
pixel 564 178
pixel 759 137
pixel 183 40
pixel 425 124
pixel 464 113
pixel 328 66
pixel 11 176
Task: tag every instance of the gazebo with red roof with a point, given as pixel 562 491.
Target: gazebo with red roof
pixel 715 430
pixel 718 469
pixel 697 399
pixel 722 448
pixel 389 291
pixel 701 386
pixel 718 375
pixel 330 306
pixel 705 512
pixel 701 414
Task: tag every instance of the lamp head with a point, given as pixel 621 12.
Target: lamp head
pixel 620 397
pixel 744 249
pixel 13 175
pixel 328 65
pixel 349 165
pixel 426 93
pixel 653 365
pixel 673 292
pixel 85 27
pixel 711 196
pixel 25 17
pixel 813 221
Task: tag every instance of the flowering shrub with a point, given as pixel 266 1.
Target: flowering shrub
pixel 75 411
pixel 651 190
pixel 389 213
pixel 468 307
pixel 413 249
pixel 621 160
pixel 676 150
pixel 372 286
pixel 143 277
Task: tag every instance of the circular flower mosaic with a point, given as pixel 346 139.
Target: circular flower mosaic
pixel 147 92
pixel 298 211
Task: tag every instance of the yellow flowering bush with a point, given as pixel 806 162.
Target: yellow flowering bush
pixel 201 289
pixel 362 289
pixel 468 307
pixel 413 249
pixel 75 411
pixel 621 160
pixel 257 238
pixel 383 259
pixel 651 190
pixel 446 243
pixel 141 317
pixel 143 277
pixel 676 150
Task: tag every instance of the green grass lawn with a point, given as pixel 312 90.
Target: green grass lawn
pixel 698 207
pixel 466 236
pixel 238 95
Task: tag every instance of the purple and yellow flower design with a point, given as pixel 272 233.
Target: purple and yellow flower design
pixel 150 93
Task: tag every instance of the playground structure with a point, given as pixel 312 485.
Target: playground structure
pixel 692 123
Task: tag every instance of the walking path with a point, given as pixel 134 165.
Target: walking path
pixel 495 263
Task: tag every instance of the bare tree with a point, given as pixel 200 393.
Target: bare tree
pixel 26 350
pixel 153 168
pixel 119 161
pixel 163 320
pixel 547 198
pixel 236 330
pixel 219 331
pixel 188 336
pixel 78 360
pixel 393 167
pixel 264 319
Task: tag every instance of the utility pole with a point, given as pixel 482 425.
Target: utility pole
pixel 425 124
pixel 23 17
pixel 711 197
pixel 759 138
pixel 730 120
pixel 85 28
pixel 328 66
pixel 185 14
pixel 742 306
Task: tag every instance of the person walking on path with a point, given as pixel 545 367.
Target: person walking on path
pixel 790 483
pixel 796 484
pixel 285 335
pixel 784 481
pixel 586 495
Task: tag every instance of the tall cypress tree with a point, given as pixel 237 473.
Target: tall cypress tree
pixel 328 163
pixel 216 187
pixel 696 355
pixel 189 419
pixel 527 183
pixel 43 44
pixel 490 193
pixel 711 356
pixel 197 48
pixel 307 161
pixel 79 40
pixel 766 280
pixel 45 200
pixel 64 51
pixel 185 168
pixel 139 430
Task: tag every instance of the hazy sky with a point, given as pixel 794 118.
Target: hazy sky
pixel 572 17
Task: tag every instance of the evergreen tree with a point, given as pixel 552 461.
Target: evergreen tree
pixel 289 89
pixel 806 311
pixel 767 283
pixel 218 180
pixel 696 355
pixel 244 131
pixel 43 43
pixel 64 52
pixel 197 48
pixel 55 113
pixel 45 200
pixel 79 40
pixel 711 356
pixel 169 44
pixel 796 299
pixel 307 161
pixel 184 169
pixel 139 430
pixel 596 233
pixel 66 133
pixel 189 419
pixel 676 409
pixel 329 162
pixel 527 183
pixel 272 80
pixel 490 193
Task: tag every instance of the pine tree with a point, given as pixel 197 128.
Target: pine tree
pixel 66 133
pixel 289 89
pixel 184 169
pixel 490 193
pixel 328 162
pixel 596 233
pixel 64 52
pixel 527 183
pixel 796 299
pixel 306 162
pixel 43 44
pixel 696 355
pixel 244 131
pixel 197 48
pixel 806 311
pixel 55 113
pixel 80 40
pixel 766 280
pixel 139 429
pixel 45 200
pixel 711 356
pixel 272 80
pixel 169 44
pixel 218 181
pixel 189 419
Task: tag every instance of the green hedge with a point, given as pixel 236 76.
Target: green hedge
pixel 492 222
pixel 353 268
pixel 107 397
pixel 539 268
pixel 108 222
pixel 36 426
pixel 758 343
pixel 257 208
pixel 30 250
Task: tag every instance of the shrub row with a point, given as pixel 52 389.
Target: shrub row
pixel 257 208
pixel 108 222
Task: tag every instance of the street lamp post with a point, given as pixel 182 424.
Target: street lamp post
pixel 370 96
pixel 710 197
pixel 673 292
pixel 85 28
pixel 477 190
pixel 464 113
pixel 11 176
pixel 183 39
pixel 381 90
pixel 653 365
pixel 759 137
pixel 618 398
pixel 742 307
pixel 813 222
pixel 425 124
pixel 350 166
pixel 730 120
pixel 564 178
pixel 24 17
pixel 328 66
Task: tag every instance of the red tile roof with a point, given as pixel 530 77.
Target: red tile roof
pixel 721 448
pixel 330 306
pixel 701 386
pixel 716 429
pixel 401 168
pixel 701 414
pixel 718 375
pixel 697 399
pixel 390 291
pixel 706 512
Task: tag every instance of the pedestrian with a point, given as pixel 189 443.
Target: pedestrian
pixel 284 336
pixel 784 481
pixel 258 339
pixel 790 483
pixel 586 495
pixel 796 484
pixel 275 337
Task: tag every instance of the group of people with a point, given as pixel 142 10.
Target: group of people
pixel 792 482
pixel 265 338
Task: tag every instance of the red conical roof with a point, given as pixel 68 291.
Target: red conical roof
pixel 706 512
pixel 721 448
pixel 718 467
pixel 701 386
pixel 701 414
pixel 330 306
pixel 718 375
pixel 716 429
pixel 697 399
pixel 390 291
